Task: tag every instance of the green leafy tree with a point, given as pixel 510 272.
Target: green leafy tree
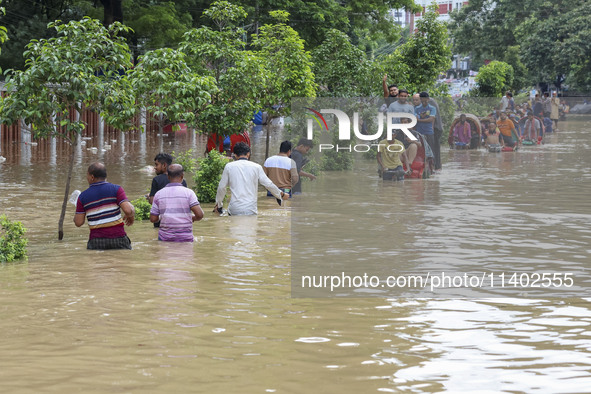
pixel 281 50
pixel 485 28
pixel 426 54
pixel 513 58
pixel 288 67
pixel 13 244
pixel 3 35
pixel 364 21
pixel 76 70
pixel 208 176
pixel 494 79
pixel 155 25
pixel 416 64
pixel 238 73
pixel 340 68
pixel 166 87
pixel 556 46
pixel 27 20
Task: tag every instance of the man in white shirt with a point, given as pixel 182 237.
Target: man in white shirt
pixel 243 178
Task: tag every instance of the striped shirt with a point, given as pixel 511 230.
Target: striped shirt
pixel 282 171
pixel 173 204
pixel 100 202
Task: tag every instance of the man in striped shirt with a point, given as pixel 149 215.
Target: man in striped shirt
pixel 174 205
pixel 102 204
pixel 281 169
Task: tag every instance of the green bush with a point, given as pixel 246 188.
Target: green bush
pixel 186 160
pixel 333 160
pixel 142 208
pixel 208 176
pixel 494 79
pixel 13 244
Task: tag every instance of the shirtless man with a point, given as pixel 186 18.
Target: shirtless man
pixel 492 141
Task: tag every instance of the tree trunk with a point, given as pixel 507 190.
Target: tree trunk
pixel 113 12
pixel 267 142
pixel 67 191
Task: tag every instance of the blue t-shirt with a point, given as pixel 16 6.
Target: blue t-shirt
pixel 422 112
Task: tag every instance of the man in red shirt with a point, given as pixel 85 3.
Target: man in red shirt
pixel 102 204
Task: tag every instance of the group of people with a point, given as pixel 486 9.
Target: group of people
pixel 175 207
pixel 511 124
pixel 396 156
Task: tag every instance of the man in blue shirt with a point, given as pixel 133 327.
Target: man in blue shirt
pixel 426 114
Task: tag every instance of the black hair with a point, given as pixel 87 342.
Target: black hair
pixel 97 170
pixel 241 149
pixel 423 94
pixel 285 147
pixel 392 86
pixel 402 91
pixel 306 142
pixel 163 158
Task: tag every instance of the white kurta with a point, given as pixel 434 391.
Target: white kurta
pixel 243 177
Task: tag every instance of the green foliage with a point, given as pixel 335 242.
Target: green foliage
pixel 209 175
pixel 288 66
pixel 3 35
pixel 494 79
pixel 166 86
pixel 426 54
pixel 225 14
pixel 341 69
pixel 238 73
pixel 555 43
pixel 142 208
pixel 186 160
pixel 553 38
pixel 13 244
pixel 28 20
pixel 371 20
pixel 337 161
pixel 77 69
pixel 486 28
pixel 157 25
pixel 513 58
pixel 447 109
pixel 416 64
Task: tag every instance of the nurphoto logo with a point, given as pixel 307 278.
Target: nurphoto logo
pixel 393 122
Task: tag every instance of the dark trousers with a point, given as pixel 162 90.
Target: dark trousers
pixel 436 148
pixel 109 243
pixel 431 141
pixel 508 141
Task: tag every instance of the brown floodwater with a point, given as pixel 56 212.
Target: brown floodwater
pixel 218 316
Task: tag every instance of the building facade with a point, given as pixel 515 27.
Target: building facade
pixel 407 19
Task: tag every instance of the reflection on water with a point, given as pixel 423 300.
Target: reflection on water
pixel 216 315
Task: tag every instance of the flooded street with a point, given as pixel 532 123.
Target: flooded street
pixel 218 316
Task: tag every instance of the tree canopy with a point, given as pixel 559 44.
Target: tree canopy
pixel 548 39
pixel 162 23
pixel 78 69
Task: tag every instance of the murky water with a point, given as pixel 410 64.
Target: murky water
pixel 217 316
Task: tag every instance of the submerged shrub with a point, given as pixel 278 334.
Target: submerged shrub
pixel 185 159
pixel 208 176
pixel 142 208
pixel 13 244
